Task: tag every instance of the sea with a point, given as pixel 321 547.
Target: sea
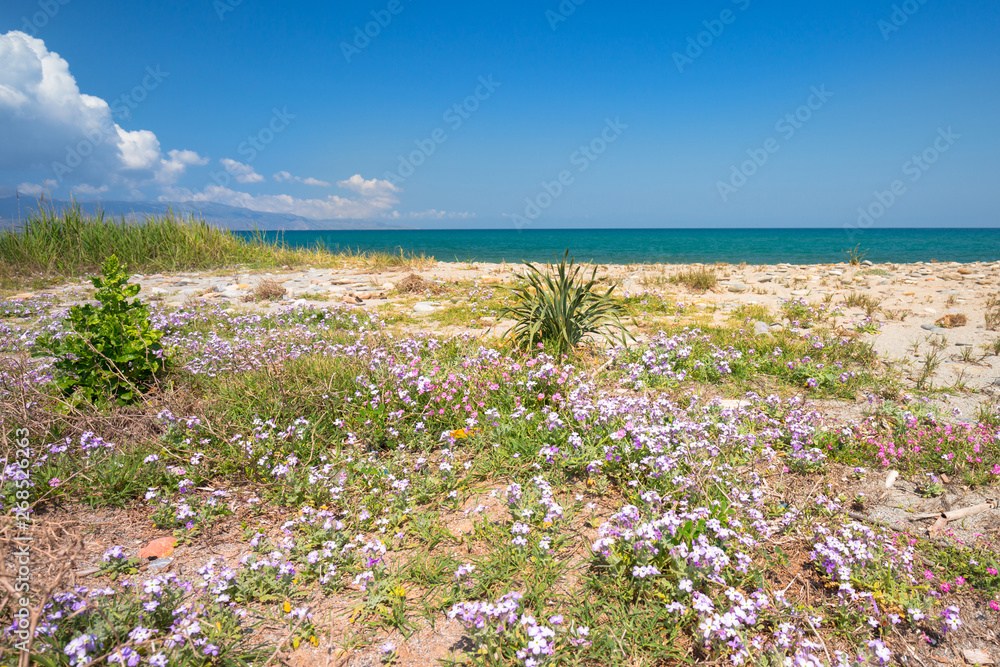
pixel 667 246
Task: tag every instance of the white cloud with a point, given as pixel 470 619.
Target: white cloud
pixel 85 189
pixel 174 166
pixel 47 123
pixel 33 189
pixel 372 188
pixel 286 177
pixel 243 173
pixel 51 130
pixel 377 203
pixel 309 180
pixel 434 214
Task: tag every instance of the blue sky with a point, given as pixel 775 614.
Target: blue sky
pixel 672 129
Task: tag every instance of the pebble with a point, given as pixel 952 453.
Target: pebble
pixel 426 307
pixel 761 328
pixel 975 656
pixel 738 287
pixel 160 563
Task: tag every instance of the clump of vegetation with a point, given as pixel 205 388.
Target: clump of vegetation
pixel 267 290
pixel 858 300
pixel 950 321
pixel 414 284
pixel 856 255
pixel 702 279
pixel 993 312
pixel 71 243
pixel 109 353
pixel 560 306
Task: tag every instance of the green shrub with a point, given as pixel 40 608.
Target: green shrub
pixel 109 353
pixel 559 306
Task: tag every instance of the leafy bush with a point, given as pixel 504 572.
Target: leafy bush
pixel 109 353
pixel 559 307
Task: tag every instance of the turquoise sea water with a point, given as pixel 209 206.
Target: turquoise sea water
pixel 624 246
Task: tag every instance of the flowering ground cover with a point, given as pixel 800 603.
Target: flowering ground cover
pixel 340 487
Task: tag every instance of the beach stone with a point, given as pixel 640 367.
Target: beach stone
pixel 975 656
pixel 738 287
pixel 867 262
pixel 426 307
pixel 157 291
pixel 965 271
pixel 766 279
pixel 160 563
pixel 733 404
pixel 933 328
pixel 761 328
pixel 777 327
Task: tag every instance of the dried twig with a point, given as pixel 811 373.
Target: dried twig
pixel 53 549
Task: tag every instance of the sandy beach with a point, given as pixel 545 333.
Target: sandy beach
pixel 910 298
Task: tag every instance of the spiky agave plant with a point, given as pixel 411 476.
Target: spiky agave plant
pixel 560 306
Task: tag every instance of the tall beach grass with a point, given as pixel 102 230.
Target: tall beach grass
pixel 71 243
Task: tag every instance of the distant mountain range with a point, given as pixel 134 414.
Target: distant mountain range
pixel 13 210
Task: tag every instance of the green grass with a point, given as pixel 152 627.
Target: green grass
pixel 70 243
pixel 700 280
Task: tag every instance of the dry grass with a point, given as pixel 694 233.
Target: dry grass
pixel 267 290
pixel 949 321
pixel 701 279
pixel 414 284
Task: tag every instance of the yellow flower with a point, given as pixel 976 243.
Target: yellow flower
pixel 399 592
pixel 295 642
pixel 287 607
pixel 314 641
